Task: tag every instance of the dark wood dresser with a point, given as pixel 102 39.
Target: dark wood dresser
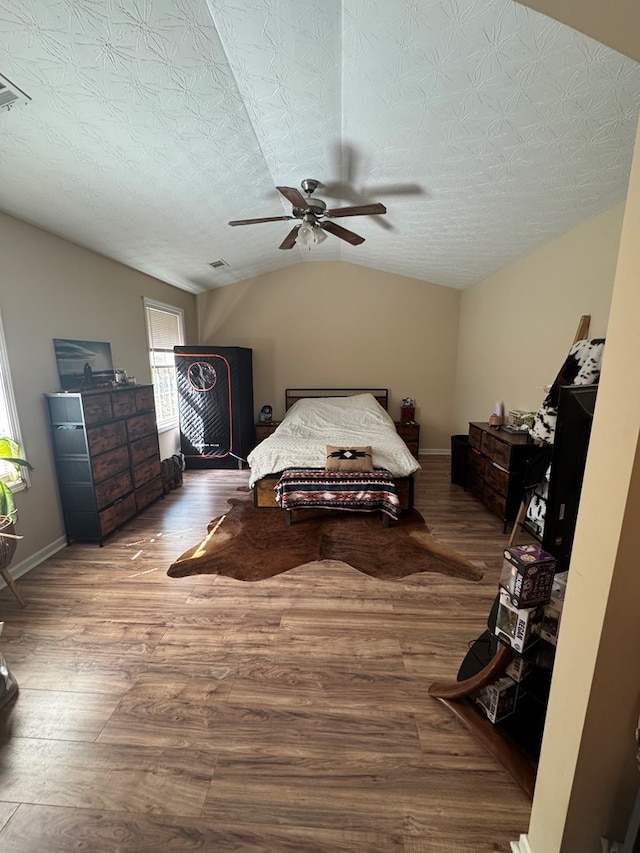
pixel 496 467
pixel 105 445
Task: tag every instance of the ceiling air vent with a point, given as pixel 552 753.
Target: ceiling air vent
pixel 217 264
pixel 10 95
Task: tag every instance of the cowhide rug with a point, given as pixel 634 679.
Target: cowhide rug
pixel 252 544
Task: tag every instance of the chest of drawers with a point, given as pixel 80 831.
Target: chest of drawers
pixel 496 467
pixel 105 444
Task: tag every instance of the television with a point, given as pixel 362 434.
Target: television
pixel 576 405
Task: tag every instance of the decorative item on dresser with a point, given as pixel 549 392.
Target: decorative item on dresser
pixel 407 410
pixel 215 400
pixel 105 445
pixel 496 467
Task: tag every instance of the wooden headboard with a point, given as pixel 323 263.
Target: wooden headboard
pixel 292 395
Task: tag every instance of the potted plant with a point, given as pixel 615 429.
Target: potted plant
pixel 9 452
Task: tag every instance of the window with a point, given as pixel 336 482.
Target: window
pixel 9 419
pixel 165 329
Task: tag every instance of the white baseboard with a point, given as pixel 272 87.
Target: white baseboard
pixel 19 569
pixel 521 846
pixel 424 451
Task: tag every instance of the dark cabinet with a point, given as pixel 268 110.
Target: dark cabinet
pixel 105 446
pixel 215 400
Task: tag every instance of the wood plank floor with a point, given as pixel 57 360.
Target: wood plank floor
pixel 208 714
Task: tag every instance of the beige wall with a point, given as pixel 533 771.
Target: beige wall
pixel 335 324
pixel 50 288
pixel 614 23
pixel 517 325
pixel 588 776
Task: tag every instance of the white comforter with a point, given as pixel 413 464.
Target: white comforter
pixel 311 424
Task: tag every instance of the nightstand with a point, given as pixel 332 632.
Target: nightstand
pixel 265 430
pixel 410 434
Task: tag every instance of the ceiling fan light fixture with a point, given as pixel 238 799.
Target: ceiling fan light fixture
pixel 309 235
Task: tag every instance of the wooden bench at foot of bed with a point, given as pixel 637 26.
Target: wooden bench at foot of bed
pixel 264 492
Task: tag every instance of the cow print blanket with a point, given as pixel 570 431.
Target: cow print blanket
pixel 582 367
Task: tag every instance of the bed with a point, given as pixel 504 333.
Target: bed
pixel 318 417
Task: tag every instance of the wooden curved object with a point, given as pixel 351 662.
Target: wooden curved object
pixel 521 769
pixel 461 689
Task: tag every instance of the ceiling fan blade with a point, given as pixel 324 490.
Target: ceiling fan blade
pixel 290 240
pixel 342 233
pixel 396 189
pixel 294 197
pixel 264 219
pixel 357 210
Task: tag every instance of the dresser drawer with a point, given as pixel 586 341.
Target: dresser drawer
pixel 413 447
pixel 141 425
pixel 265 430
pixel 144 399
pixel 115 487
pixel 476 463
pixel 117 514
pixel 475 473
pixel 475 437
pixel 410 434
pixel 496 450
pixel 106 437
pixel 123 402
pixel 146 471
pixel 144 448
pixel 497 478
pixel 112 462
pixel 97 407
pixel 148 493
pixel 494 501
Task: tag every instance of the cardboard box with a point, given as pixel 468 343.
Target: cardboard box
pixel 518 668
pixel 517 627
pixel 553 610
pixel 498 699
pixel 527 575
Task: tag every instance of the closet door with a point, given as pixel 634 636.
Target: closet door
pixel 215 394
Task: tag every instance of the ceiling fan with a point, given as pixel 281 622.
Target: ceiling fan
pixel 315 218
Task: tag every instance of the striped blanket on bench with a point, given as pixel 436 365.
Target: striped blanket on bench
pixel 366 491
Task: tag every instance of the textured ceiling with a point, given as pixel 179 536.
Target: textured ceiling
pixel 485 128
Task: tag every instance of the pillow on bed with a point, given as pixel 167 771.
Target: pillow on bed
pixel 349 458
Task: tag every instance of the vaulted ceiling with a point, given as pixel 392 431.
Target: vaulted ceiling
pixel 485 128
